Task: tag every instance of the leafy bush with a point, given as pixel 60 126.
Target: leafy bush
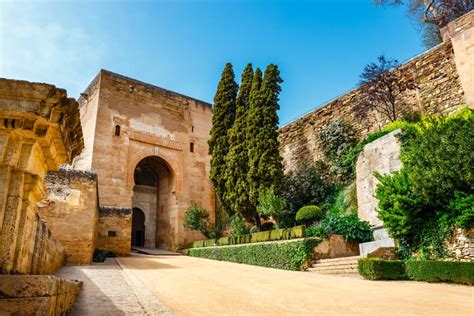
pixel 305 187
pixel 237 226
pixel 270 204
pixel 309 214
pixel 348 225
pixel 289 255
pixel 337 138
pixel 432 193
pixel 424 270
pixel 440 271
pixel 197 218
pixel 463 208
pixel 377 269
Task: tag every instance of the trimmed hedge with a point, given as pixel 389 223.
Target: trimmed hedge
pixel 377 269
pixel 441 271
pixel 429 271
pixel 277 234
pixel 290 255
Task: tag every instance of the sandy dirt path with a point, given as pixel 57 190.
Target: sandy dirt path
pixel 194 286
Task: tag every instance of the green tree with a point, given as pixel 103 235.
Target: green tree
pixel 197 218
pixel 265 164
pixel 270 204
pixel 222 120
pixel 237 159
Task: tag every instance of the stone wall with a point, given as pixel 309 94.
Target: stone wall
pixel 461 245
pixel 382 156
pixel 438 91
pixel 39 131
pixel 115 228
pixel 71 212
pixel 461 34
pixel 37 295
pixel 145 199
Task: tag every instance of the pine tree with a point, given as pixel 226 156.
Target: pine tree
pixel 222 120
pixel 237 160
pixel 265 163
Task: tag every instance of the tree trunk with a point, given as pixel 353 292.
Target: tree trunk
pixel 258 223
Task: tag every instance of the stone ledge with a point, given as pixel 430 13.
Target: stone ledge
pixel 37 294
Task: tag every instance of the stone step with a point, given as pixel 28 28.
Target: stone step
pixel 335 264
pixel 334 271
pixel 342 259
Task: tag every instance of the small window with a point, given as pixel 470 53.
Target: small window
pixel 192 129
pixel 191 147
pixel 112 233
pixel 117 130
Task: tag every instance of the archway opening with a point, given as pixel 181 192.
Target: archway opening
pixel 138 228
pixel 152 193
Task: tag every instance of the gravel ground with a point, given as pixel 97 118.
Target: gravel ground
pixel 108 290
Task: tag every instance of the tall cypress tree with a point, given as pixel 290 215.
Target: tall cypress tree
pixel 222 120
pixel 252 130
pixel 237 159
pixel 265 163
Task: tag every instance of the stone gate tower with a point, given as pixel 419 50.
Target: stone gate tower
pixel 149 149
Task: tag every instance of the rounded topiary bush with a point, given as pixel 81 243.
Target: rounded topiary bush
pixel 309 214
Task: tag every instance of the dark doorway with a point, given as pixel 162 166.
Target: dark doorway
pixel 138 228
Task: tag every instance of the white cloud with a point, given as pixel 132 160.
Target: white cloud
pixel 41 43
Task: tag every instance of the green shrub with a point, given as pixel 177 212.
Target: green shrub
pixel 289 255
pixel 297 232
pixel 463 208
pixel 433 192
pixel 209 243
pixel 197 218
pixel 347 225
pixel 237 226
pixel 261 236
pixel 278 234
pixel 418 270
pixel 376 269
pixel 306 187
pixel 440 271
pixel 270 204
pixel 309 214
pixel 223 241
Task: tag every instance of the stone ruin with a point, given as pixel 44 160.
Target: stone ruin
pixel 39 130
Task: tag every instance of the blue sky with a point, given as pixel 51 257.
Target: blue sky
pixel 321 46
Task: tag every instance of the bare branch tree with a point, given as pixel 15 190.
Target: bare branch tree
pixel 381 87
pixel 432 15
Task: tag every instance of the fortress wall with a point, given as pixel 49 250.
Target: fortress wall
pixel 71 212
pixel 439 90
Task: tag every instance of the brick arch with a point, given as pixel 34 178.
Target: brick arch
pixel 163 223
pixel 174 167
